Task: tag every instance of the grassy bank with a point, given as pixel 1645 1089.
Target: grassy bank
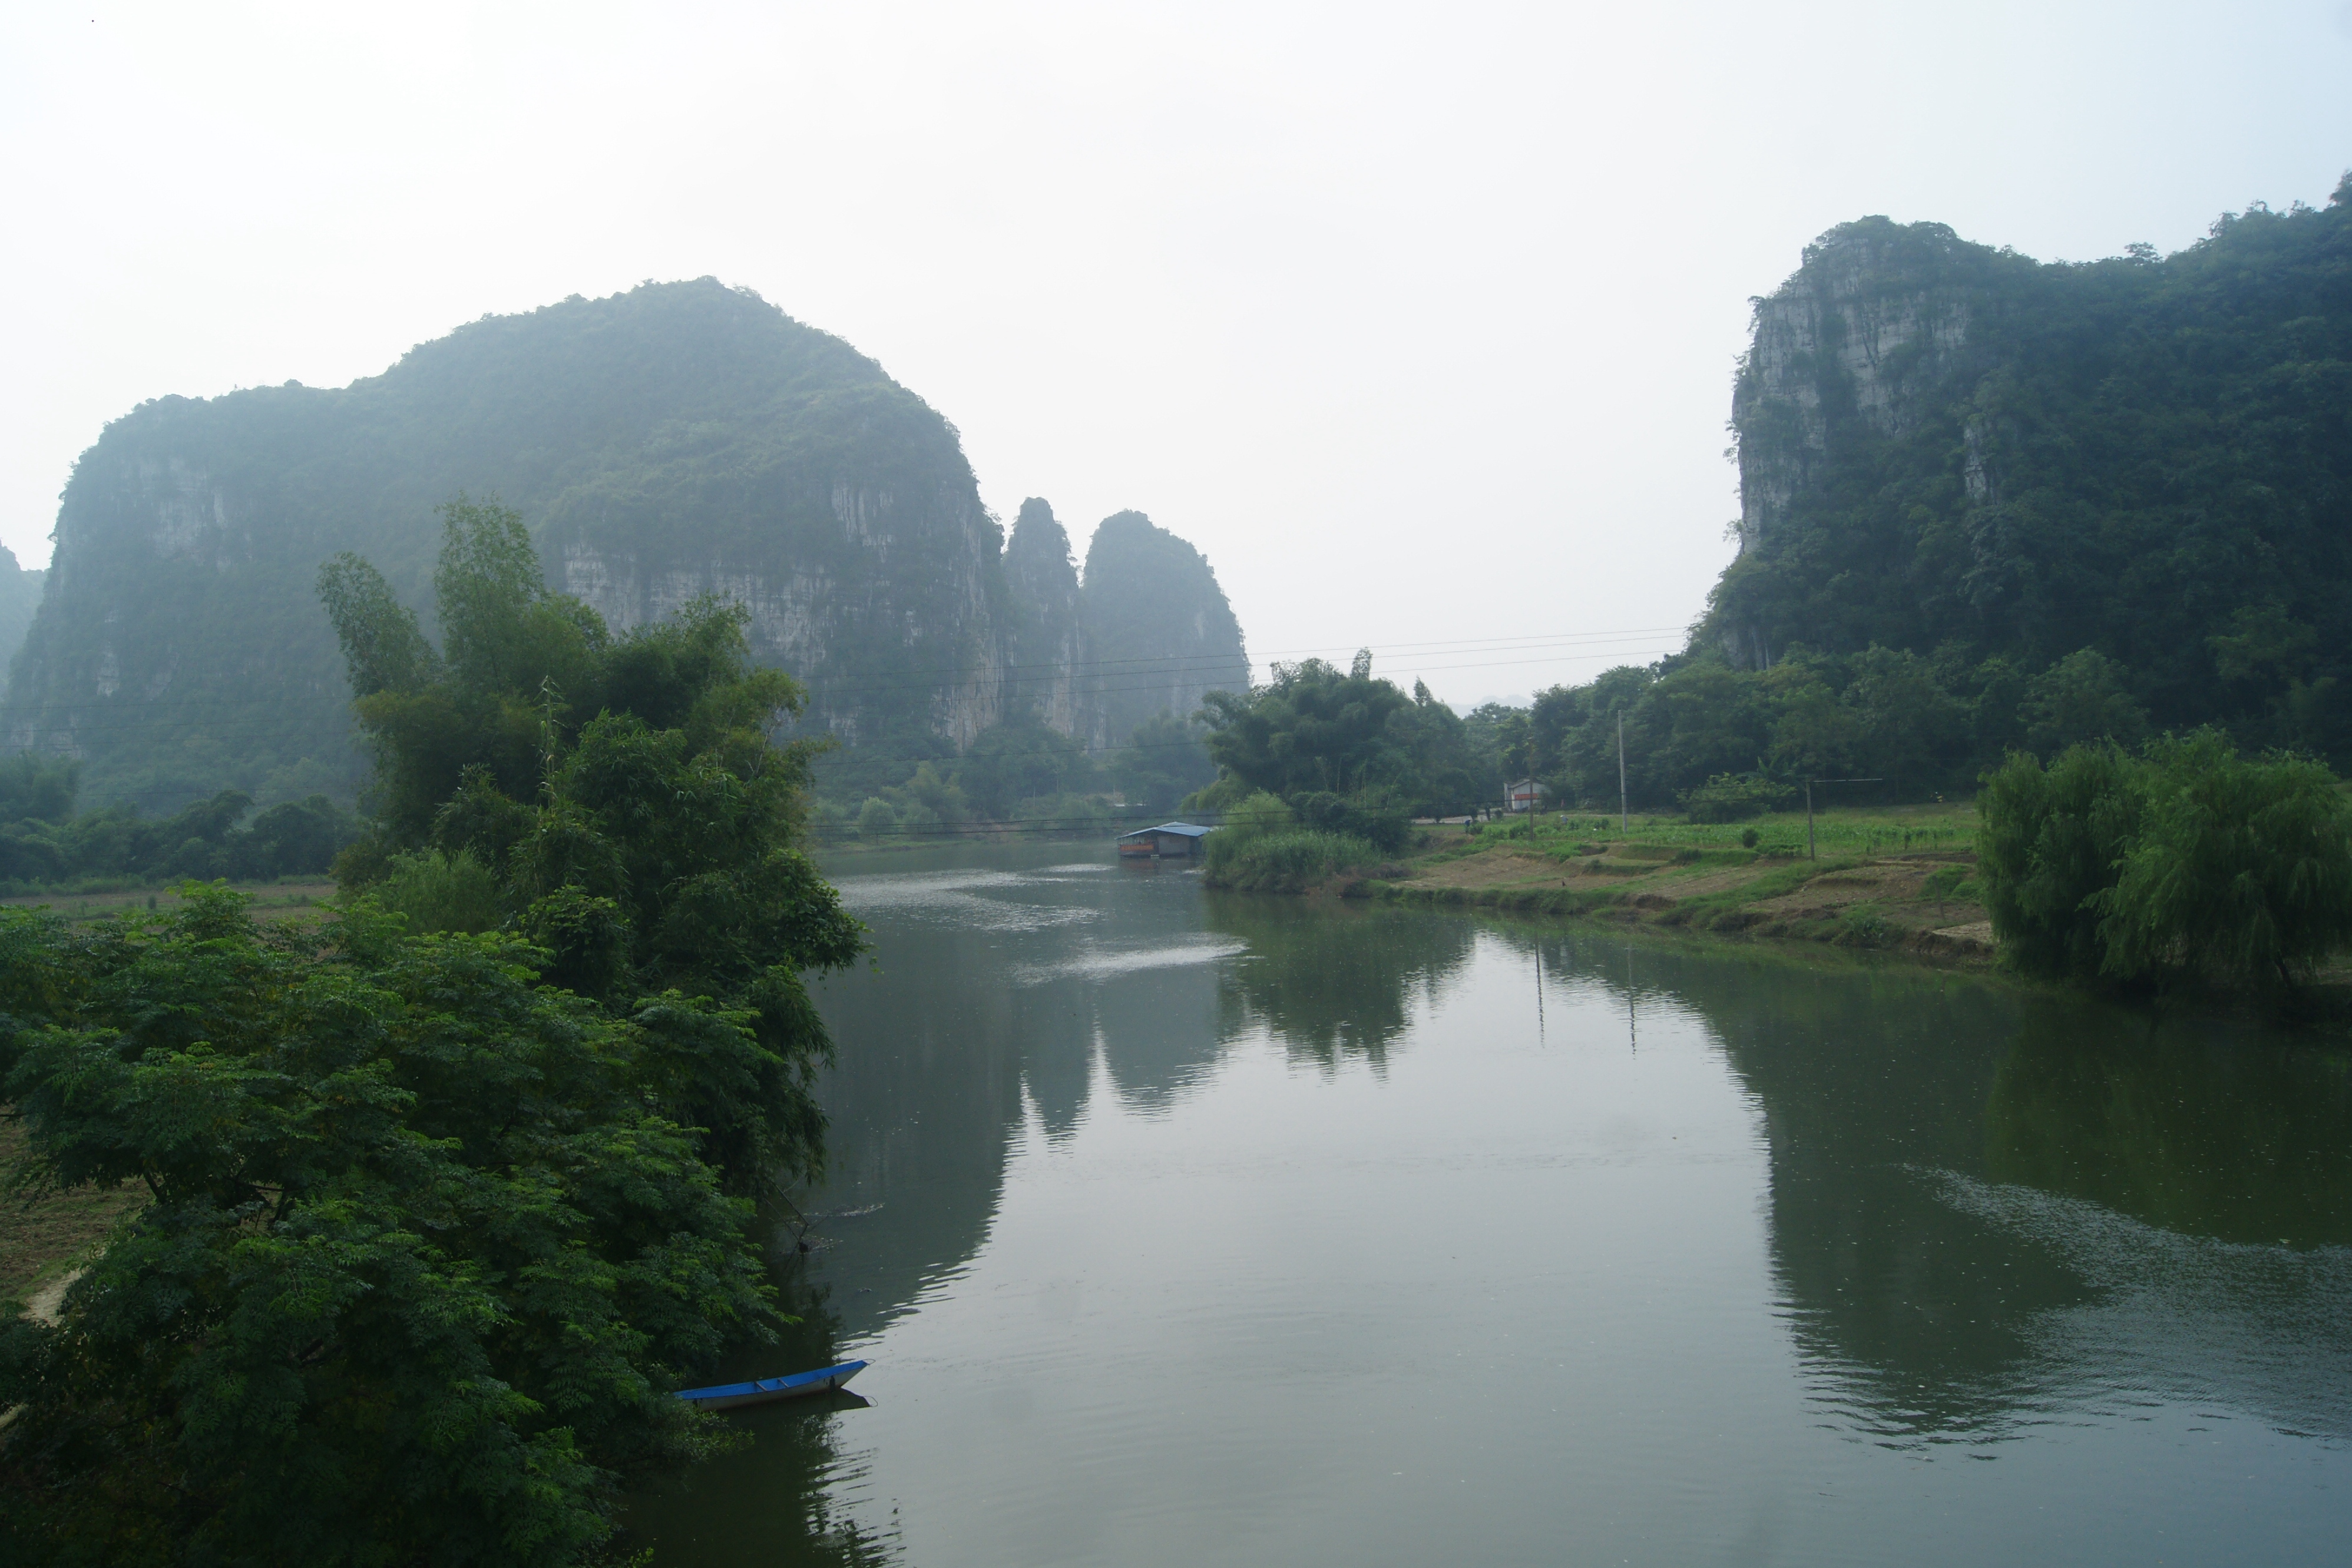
pixel 1895 879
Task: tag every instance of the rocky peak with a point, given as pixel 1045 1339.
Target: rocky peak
pixel 1869 323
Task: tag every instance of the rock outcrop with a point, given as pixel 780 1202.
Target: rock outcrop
pixel 1160 632
pixel 1866 327
pixel 20 595
pixel 676 441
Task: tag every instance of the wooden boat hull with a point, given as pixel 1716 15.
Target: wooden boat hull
pixel 764 1391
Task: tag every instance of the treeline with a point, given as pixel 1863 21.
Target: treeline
pixel 45 844
pixel 448 1194
pixel 1322 767
pixel 1704 737
pixel 1023 773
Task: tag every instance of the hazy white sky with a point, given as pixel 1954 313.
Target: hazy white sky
pixel 1419 320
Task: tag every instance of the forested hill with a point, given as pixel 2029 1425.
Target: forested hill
pixel 1991 504
pixel 677 439
pixel 1943 445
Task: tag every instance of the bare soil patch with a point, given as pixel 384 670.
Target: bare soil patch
pixel 45 1238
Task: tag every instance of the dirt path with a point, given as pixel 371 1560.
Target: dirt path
pixel 42 1241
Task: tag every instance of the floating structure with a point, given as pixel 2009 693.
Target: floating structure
pixel 798 1386
pixel 1169 840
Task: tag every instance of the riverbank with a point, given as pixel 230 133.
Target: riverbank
pixel 1923 901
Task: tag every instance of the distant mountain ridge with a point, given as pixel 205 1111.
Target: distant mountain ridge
pixel 673 440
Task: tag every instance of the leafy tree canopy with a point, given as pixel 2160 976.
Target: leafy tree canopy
pixel 626 799
pixel 429 1243
pixel 2187 857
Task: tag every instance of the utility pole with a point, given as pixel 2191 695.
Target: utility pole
pixel 1624 816
pixel 1810 853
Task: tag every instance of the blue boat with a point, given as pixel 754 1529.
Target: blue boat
pixel 798 1386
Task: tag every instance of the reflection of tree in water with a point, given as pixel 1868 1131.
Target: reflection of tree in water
pixel 793 1458
pixel 1160 1030
pixel 1332 982
pixel 2193 1130
pixel 1925 1140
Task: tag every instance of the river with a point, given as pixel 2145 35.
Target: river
pixel 1187 1228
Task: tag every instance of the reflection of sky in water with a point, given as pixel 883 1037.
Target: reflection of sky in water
pixel 2182 1318
pixel 1186 1230
pixel 1095 963
pixel 977 899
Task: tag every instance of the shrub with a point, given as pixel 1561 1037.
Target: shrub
pixel 441 892
pixel 1365 815
pixel 2243 868
pixel 1253 814
pixel 1733 797
pixel 2189 858
pixel 1284 862
pixel 877 818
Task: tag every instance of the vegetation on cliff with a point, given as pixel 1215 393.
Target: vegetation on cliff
pixel 674 441
pixel 1990 503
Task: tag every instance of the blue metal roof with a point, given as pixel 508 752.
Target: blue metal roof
pixel 1185 829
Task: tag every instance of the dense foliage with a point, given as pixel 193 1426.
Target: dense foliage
pixel 1267 846
pixel 448 1193
pixel 1351 752
pixel 43 843
pixel 2187 857
pixel 623 798
pixel 2146 458
pixel 429 1243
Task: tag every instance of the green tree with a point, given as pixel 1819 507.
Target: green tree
pixel 2080 699
pixel 1164 761
pixel 627 799
pixel 429 1244
pixel 2241 869
pixel 1311 727
pixel 2048 845
pixel 1019 759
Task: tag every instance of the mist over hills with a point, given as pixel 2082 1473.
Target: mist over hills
pixel 677 439
pixel 20 595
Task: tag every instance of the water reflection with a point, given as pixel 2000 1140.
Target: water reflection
pixel 2204 1130
pixel 1332 982
pixel 1888 1209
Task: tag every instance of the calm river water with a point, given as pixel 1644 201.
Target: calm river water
pixel 1191 1229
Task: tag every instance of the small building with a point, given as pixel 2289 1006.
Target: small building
pixel 1524 795
pixel 1170 840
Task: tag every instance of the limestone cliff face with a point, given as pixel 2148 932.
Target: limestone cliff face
pixel 1160 631
pixel 1869 323
pixel 678 440
pixel 1046 651
pixel 20 595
